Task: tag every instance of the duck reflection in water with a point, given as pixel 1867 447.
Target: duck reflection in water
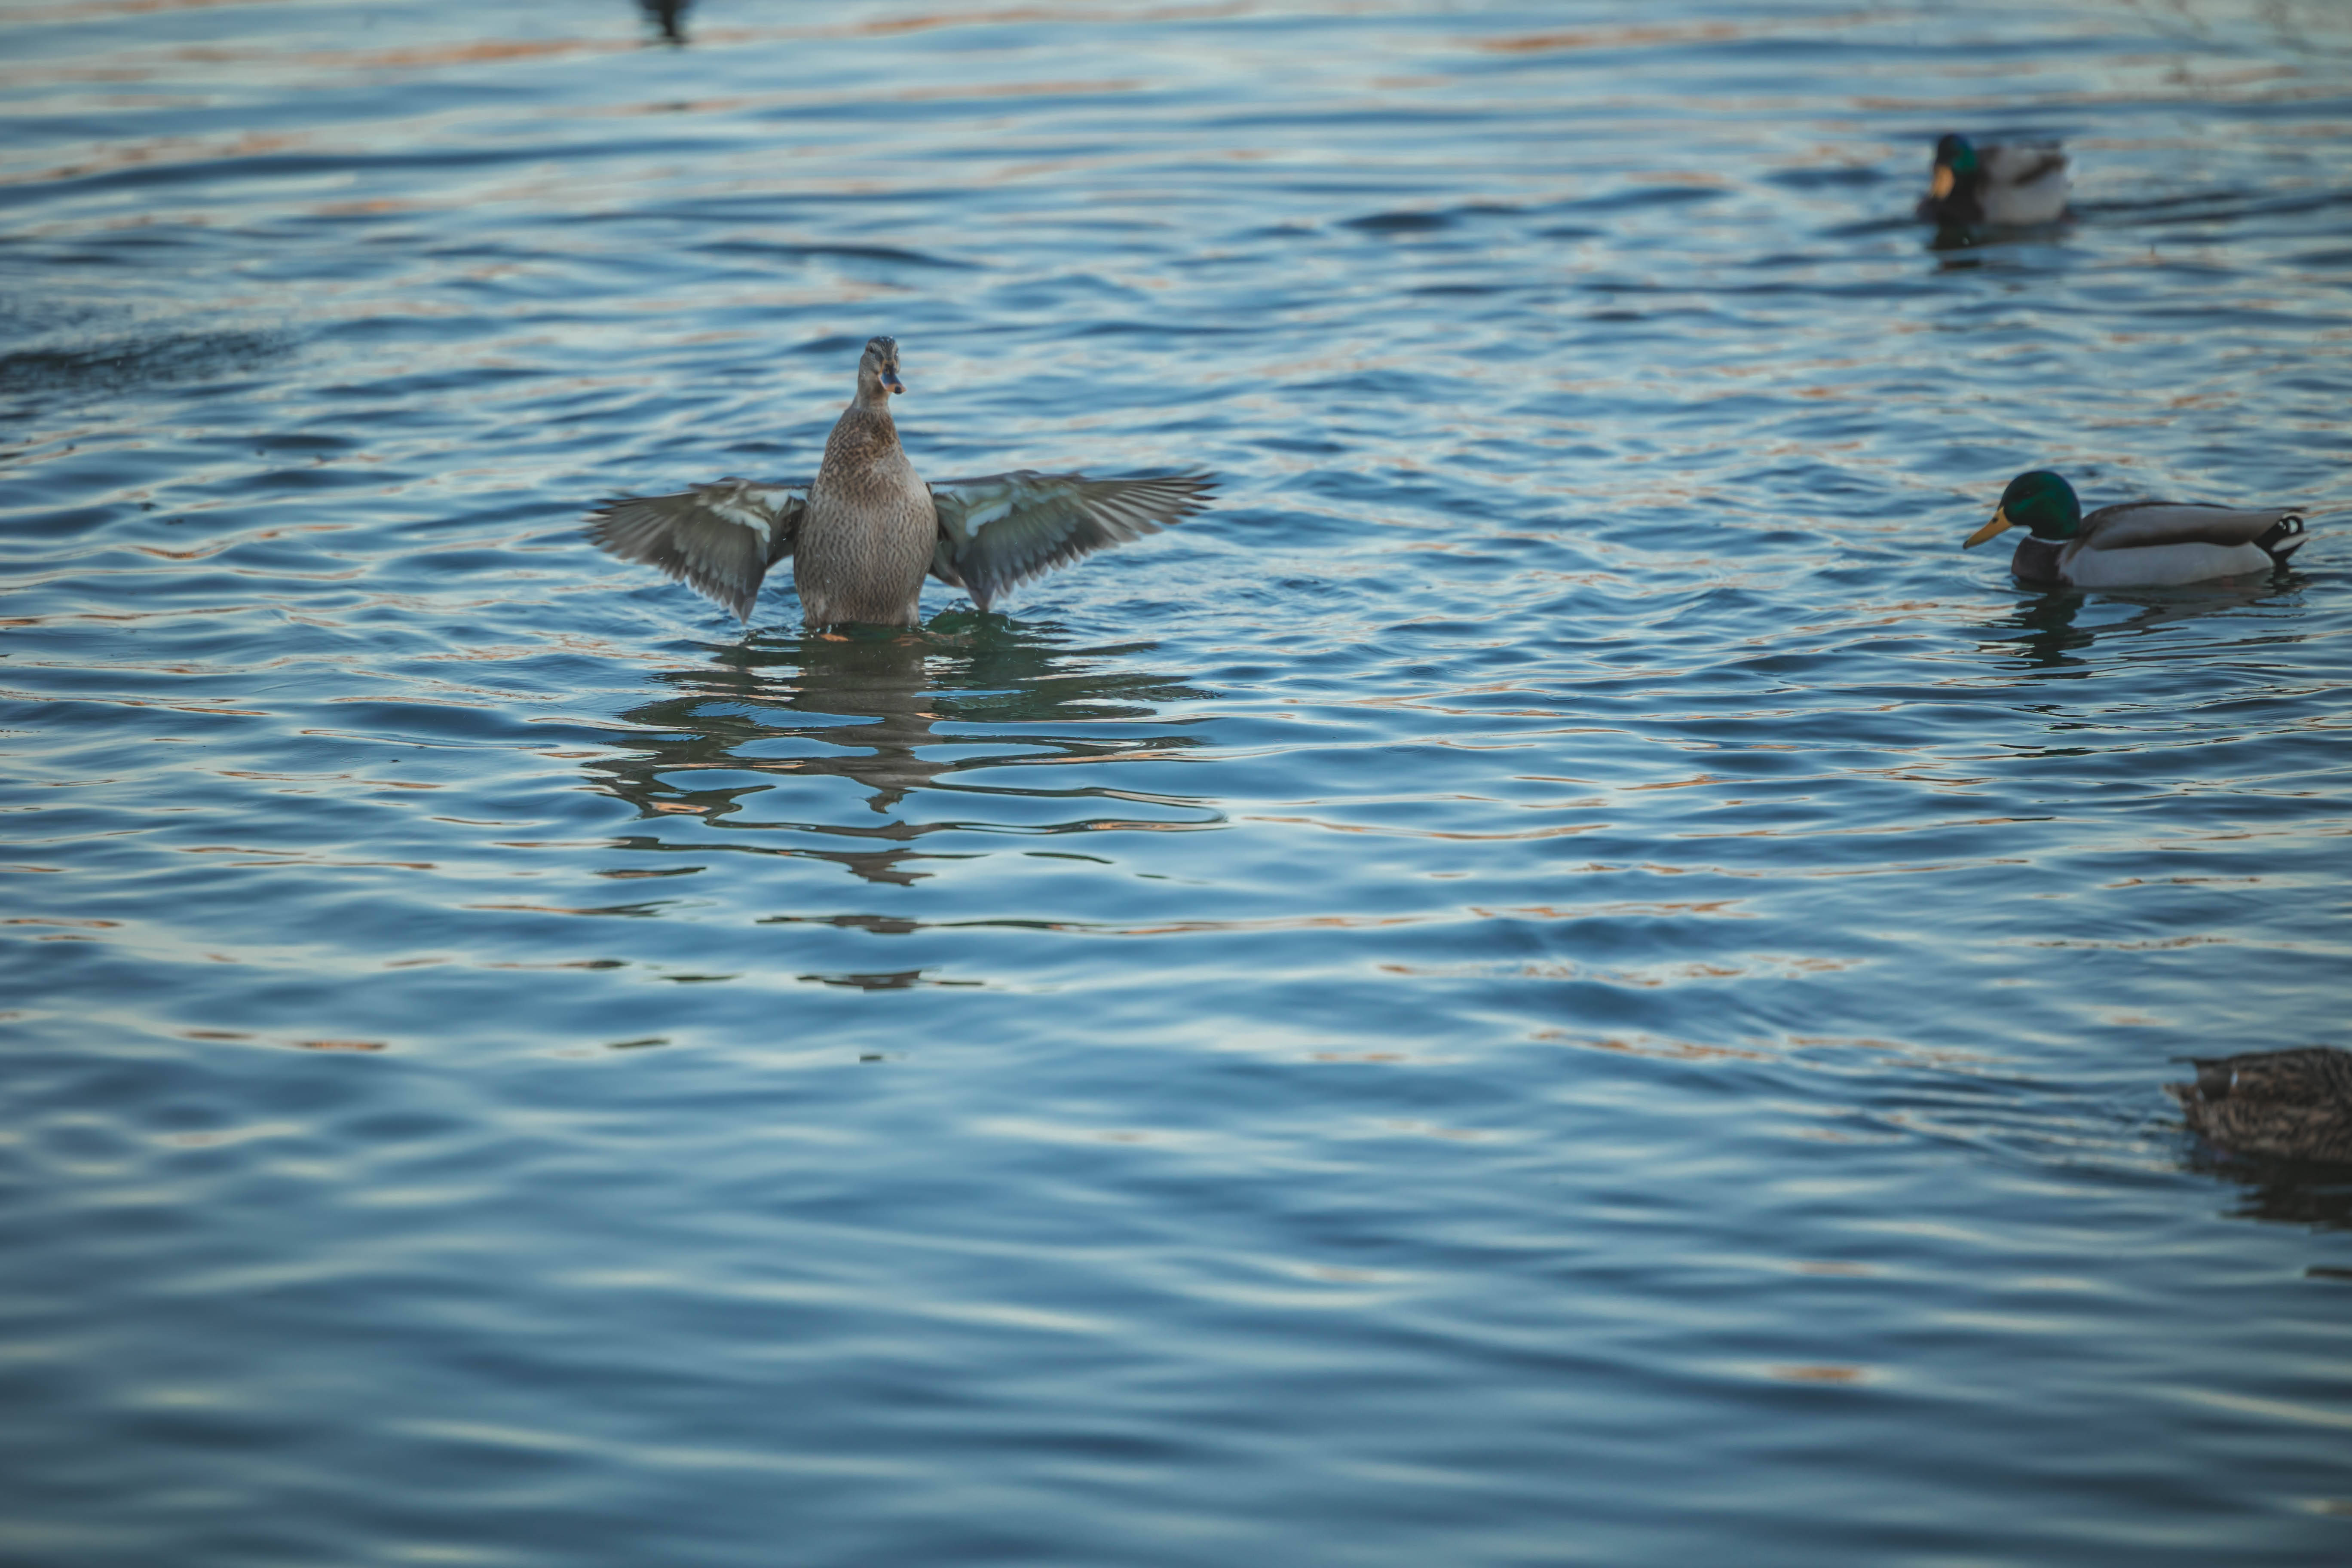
pixel 863 708
pixel 2044 631
pixel 2280 1192
pixel 2049 637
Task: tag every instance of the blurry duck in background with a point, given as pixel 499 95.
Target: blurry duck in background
pixel 865 532
pixel 669 16
pixel 2001 185
pixel 2286 1105
pixel 2139 544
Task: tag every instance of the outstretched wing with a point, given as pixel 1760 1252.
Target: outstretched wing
pixel 1002 531
pixel 2140 525
pixel 718 539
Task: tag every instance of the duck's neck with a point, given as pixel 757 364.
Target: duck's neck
pixel 873 401
pixel 864 435
pixel 2036 561
pixel 872 395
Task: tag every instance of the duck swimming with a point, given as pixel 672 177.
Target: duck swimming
pixel 2139 544
pixel 865 532
pixel 2288 1105
pixel 2002 186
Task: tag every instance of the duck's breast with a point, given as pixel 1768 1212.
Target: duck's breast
pixel 866 544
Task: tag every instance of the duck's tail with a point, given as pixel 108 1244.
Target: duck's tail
pixel 2284 538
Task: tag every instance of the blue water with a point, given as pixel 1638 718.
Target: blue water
pixel 1561 979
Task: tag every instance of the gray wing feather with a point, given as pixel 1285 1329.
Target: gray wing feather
pixel 2021 164
pixel 1000 530
pixel 2023 186
pixel 718 539
pixel 2138 525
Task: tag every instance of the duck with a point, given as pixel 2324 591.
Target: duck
pixel 863 533
pixel 2139 544
pixel 2001 184
pixel 2287 1105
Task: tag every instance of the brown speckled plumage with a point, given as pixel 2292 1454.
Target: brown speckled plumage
pixel 871 527
pixel 2286 1105
pixel 865 531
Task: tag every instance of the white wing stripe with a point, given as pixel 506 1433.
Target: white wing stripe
pixel 743 517
pixel 981 517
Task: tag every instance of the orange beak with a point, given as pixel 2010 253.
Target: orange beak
pixel 1941 186
pixel 2000 521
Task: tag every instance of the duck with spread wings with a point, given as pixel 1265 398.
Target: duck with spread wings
pixel 865 532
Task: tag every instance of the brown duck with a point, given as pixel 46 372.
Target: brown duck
pixel 863 534
pixel 2288 1105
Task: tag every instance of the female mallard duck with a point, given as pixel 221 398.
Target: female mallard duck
pixel 2139 544
pixel 864 532
pixel 2002 186
pixel 2289 1105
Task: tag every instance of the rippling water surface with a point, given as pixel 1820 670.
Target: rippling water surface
pixel 1560 979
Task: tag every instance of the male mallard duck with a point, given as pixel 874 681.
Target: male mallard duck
pixel 2004 185
pixel 864 532
pixel 2289 1105
pixel 2139 544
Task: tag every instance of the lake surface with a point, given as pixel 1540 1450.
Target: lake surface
pixel 1560 979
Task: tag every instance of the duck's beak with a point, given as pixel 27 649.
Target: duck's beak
pixel 1941 186
pixel 890 379
pixel 2000 521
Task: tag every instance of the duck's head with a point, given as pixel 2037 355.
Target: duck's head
pixel 2043 501
pixel 1956 160
pixel 878 371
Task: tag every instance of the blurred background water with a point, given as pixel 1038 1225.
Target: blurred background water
pixel 1561 979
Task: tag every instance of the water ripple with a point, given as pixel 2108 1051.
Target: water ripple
pixel 1558 976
